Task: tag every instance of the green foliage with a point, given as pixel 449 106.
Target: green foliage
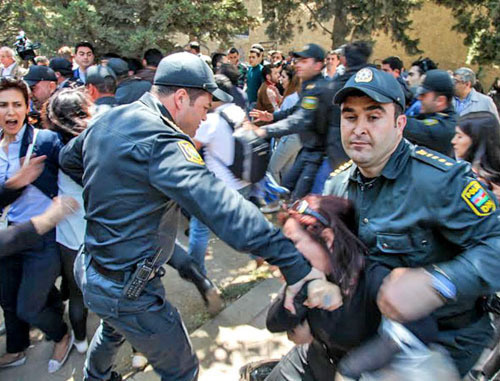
pixel 126 27
pixel 479 20
pixel 342 20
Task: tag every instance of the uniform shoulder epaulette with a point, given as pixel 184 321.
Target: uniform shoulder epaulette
pixel 341 168
pixel 433 158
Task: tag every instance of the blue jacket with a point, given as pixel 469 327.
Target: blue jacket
pixel 47 143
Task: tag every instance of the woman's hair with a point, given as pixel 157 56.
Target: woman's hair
pixel 483 129
pixel 347 253
pixel 295 82
pixel 18 84
pixel 67 112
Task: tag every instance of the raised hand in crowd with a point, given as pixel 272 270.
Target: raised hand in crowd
pixel 61 207
pixel 261 116
pixel 27 174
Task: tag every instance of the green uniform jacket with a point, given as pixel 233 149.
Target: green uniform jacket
pixel 433 131
pixel 425 209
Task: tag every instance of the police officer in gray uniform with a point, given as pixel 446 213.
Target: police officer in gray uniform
pixel 420 213
pixel 434 127
pixel 136 162
pixel 310 118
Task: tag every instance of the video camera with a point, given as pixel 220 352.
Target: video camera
pixel 25 48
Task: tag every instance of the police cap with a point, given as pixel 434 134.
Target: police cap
pixel 61 65
pixel 97 73
pixel 378 85
pixel 189 71
pixel 311 51
pixel 39 73
pixel 119 66
pixel 436 80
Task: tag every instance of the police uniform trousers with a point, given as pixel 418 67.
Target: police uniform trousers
pixel 300 178
pixel 151 324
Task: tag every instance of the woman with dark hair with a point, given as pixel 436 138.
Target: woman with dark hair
pixel 27 292
pixel 67 112
pixel 323 229
pixel 477 140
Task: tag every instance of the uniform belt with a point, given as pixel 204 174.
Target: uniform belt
pixel 116 275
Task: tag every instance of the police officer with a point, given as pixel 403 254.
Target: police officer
pixel 137 161
pixel 434 127
pixel 420 213
pixel 309 118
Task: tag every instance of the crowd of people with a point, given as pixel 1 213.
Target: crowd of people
pixel 387 180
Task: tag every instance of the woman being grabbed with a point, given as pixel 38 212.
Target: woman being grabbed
pixel 323 229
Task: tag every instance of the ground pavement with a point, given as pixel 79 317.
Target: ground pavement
pixel 234 337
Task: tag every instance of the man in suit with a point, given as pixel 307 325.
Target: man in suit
pixel 10 68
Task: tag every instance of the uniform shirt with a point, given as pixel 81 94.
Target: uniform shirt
pixel 308 117
pixel 433 130
pixel 136 165
pixel 217 138
pixel 426 209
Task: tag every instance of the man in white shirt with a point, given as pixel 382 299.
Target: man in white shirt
pixel 215 137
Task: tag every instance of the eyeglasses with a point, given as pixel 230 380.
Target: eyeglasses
pixel 302 207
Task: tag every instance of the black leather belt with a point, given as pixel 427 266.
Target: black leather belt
pixel 116 275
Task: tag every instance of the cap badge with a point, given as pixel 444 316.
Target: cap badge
pixel 364 75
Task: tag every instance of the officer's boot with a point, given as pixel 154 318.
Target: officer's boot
pixel 209 292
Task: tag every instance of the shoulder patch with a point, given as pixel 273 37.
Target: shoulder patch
pixel 341 168
pixel 434 158
pixel 478 199
pixel 190 153
pixel 309 103
pixel 430 122
pixel 310 86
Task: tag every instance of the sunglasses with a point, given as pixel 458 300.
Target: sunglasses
pixel 302 207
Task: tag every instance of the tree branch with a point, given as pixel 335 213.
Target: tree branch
pixel 316 17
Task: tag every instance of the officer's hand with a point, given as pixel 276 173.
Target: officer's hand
pixel 293 289
pixel 407 294
pixel 323 294
pixel 261 116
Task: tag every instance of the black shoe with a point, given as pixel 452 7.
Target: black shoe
pixel 371 356
pixel 206 288
pixel 115 377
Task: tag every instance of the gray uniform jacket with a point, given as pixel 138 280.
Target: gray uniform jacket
pixel 427 209
pixel 136 166
pixel 309 117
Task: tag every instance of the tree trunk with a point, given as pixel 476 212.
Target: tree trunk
pixel 340 26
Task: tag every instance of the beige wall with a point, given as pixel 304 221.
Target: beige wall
pixel 431 24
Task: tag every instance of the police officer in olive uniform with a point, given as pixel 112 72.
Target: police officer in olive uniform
pixel 309 118
pixel 136 162
pixel 434 127
pixel 420 213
